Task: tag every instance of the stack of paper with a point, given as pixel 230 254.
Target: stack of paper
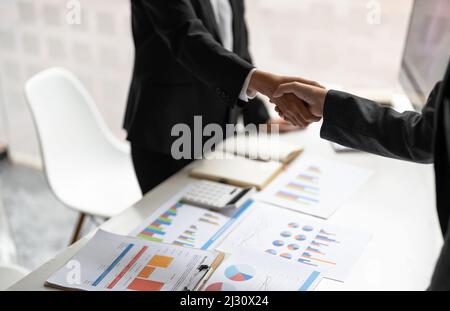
pixel 117 263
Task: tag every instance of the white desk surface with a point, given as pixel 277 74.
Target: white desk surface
pixel 397 205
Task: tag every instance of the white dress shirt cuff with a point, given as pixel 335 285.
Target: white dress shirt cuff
pixel 247 94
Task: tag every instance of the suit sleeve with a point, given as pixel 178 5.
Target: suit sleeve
pixel 255 112
pixel 196 49
pixel 441 276
pixel 362 124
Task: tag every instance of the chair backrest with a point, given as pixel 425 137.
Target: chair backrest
pixel 71 132
pixel 10 275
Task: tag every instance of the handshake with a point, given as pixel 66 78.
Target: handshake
pixel 298 101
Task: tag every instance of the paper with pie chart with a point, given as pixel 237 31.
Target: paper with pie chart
pixel 314 186
pixel 243 272
pixel 292 238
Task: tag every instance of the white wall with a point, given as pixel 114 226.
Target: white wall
pixel 327 40
pixel 330 40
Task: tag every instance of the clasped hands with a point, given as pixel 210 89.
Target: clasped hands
pixel 298 101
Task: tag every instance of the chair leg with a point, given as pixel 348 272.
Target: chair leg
pixel 78 227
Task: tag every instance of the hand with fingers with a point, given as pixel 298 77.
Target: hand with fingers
pixel 293 109
pixel 300 103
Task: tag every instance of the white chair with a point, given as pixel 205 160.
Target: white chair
pixel 87 168
pixel 10 274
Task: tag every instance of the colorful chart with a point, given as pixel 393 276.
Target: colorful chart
pixel 307 262
pixel 220 287
pixel 271 251
pixel 304 188
pixel 156 230
pixel 309 256
pixel 286 255
pixel 325 239
pixel 143 282
pixel 300 237
pixel 182 225
pixel 315 243
pixel 308 228
pixel 293 247
pixel 296 198
pixel 240 273
pixel 278 243
pixel 322 231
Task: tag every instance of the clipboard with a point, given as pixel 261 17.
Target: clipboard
pixel 207 272
pixel 126 268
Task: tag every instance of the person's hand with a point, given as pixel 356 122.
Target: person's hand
pixel 283 125
pixel 267 83
pixel 293 108
pixel 312 96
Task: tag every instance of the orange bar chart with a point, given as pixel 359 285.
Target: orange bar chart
pixel 145 285
pixel 160 261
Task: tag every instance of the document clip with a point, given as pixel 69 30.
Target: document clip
pixel 201 272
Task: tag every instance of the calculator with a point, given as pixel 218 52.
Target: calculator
pixel 215 195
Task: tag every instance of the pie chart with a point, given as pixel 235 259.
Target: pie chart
pixel 285 234
pixel 278 243
pixel 220 287
pixel 293 247
pixel 271 251
pixel 286 255
pixel 240 273
pixel 300 237
pixel 308 228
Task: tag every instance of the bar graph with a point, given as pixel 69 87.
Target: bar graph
pixel 309 256
pixel 281 234
pixel 208 221
pixel 143 281
pixel 139 284
pixel 307 262
pixel 181 224
pixel 156 230
pixel 314 186
pixel 303 189
pixel 314 250
pixel 325 239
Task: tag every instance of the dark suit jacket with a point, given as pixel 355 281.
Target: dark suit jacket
pixel 182 70
pixel 424 138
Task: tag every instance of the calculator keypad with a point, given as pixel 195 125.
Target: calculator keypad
pixel 213 194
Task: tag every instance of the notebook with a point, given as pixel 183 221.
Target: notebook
pixel 111 262
pixel 261 147
pixel 238 171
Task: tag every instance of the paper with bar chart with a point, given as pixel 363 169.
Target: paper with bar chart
pixel 180 224
pixel 314 186
pixel 114 262
pixel 249 271
pixel 292 238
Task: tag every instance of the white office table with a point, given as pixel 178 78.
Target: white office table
pixel 397 205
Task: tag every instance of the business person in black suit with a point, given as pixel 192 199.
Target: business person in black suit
pixel 419 137
pixel 191 59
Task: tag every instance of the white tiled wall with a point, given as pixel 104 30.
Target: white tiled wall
pixel 36 35
pixel 327 40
